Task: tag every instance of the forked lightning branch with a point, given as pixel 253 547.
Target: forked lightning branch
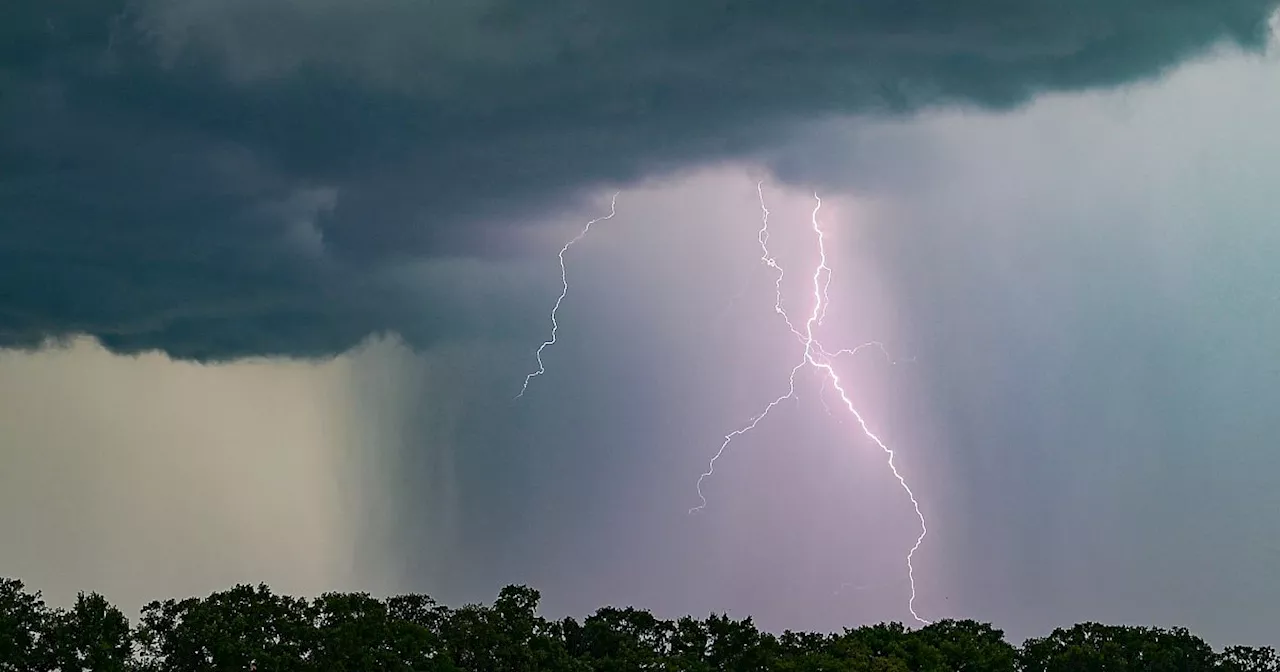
pixel 813 354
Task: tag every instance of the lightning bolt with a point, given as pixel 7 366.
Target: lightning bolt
pixel 564 291
pixel 816 356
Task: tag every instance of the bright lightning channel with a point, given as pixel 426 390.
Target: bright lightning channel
pixel 564 291
pixel 820 359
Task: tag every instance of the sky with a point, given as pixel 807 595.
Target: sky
pixel 271 276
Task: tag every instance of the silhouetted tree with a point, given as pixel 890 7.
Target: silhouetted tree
pixel 969 646
pixel 738 645
pixel 1093 647
pixel 689 644
pixel 93 636
pixel 416 623
pixel 248 628
pixel 352 633
pixel 23 618
pixel 228 630
pixel 615 639
pixel 1248 659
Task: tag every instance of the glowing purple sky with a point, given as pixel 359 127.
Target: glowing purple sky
pixel 1076 373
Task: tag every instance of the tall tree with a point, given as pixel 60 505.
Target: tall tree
pixel 416 624
pixel 23 618
pixel 739 645
pixel 969 646
pixel 229 630
pixel 1093 647
pixel 93 636
pixel 352 634
pixel 615 639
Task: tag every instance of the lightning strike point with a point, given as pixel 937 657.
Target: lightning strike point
pixel 564 291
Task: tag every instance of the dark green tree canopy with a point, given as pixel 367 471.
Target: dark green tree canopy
pixel 252 628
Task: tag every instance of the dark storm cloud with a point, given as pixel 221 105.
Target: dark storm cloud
pixel 229 178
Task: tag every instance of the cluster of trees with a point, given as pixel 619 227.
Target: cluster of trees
pixel 251 628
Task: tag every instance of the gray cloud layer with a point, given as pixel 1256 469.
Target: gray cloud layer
pixel 250 177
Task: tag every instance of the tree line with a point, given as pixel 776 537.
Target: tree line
pixel 252 628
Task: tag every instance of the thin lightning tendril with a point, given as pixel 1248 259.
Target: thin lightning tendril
pixel 822 396
pixel 819 358
pixel 564 291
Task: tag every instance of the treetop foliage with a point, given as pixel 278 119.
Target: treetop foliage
pixel 252 628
